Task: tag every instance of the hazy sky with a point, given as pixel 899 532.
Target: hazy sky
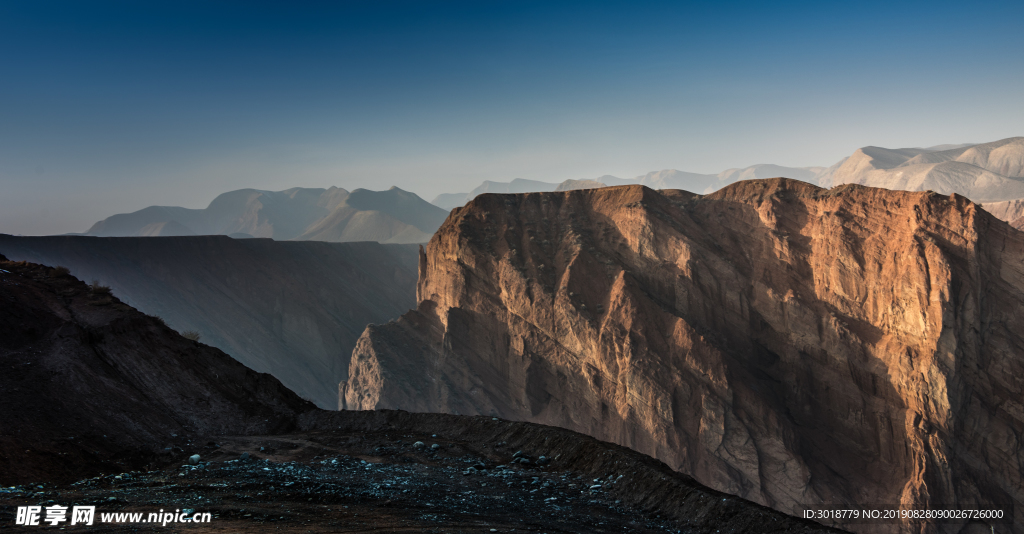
pixel 108 107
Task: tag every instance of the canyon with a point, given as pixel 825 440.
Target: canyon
pixel 775 340
pixel 103 405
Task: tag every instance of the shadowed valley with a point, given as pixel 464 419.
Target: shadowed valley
pixel 291 309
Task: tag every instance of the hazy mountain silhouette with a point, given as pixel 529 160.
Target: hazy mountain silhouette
pixel 663 179
pixel 392 216
pixel 334 214
pixel 986 172
pixel 572 185
pixel 519 185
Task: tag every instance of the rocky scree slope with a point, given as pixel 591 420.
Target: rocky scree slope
pixel 291 309
pixel 89 384
pixel 775 340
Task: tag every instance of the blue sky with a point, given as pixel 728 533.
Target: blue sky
pixel 109 107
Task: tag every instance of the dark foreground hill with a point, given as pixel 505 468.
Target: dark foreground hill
pixel 292 309
pixel 89 383
pixel 775 340
pixel 95 391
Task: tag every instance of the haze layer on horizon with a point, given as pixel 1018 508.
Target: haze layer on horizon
pixel 111 107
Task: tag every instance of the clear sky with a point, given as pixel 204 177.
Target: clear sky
pixel 108 107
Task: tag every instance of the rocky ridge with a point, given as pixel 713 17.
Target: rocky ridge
pixel 775 340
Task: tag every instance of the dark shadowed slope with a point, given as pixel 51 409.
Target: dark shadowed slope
pixel 292 309
pixel 89 382
pixel 776 340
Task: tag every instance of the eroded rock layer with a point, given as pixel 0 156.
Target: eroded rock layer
pixel 775 340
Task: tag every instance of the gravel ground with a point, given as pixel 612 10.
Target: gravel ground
pixel 360 482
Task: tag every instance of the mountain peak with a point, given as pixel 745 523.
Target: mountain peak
pixel 986 172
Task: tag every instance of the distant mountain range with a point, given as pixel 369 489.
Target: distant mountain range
pixel 335 215
pixel 455 200
pixel 664 179
pixel 986 172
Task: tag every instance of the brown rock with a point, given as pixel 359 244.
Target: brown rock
pixel 779 341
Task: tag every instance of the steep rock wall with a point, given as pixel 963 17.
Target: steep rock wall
pixel 775 340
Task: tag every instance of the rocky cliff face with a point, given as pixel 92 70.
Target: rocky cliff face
pixel 775 340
